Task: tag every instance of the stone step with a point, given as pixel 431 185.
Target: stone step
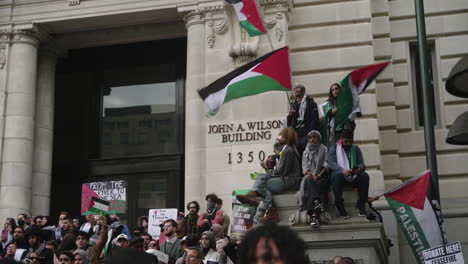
pixel 289 213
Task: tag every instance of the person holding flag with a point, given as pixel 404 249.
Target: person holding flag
pixel 346 163
pixel 342 106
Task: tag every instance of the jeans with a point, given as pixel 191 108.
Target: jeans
pixel 361 182
pixel 266 186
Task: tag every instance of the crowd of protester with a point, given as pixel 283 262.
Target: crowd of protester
pixel 27 240
pixel 311 154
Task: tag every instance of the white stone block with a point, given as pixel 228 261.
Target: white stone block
pixel 379 6
pixel 403 96
pixel 320 83
pixel 330 59
pixel 405 119
pixel 371 154
pixel 380 26
pixel 14 173
pixel 385 93
pixel 400 50
pixel 451 112
pixel 366 130
pixel 382 47
pixel 20 104
pixel 386 116
pixel 401 72
pixel 446 66
pixel 388 140
pixel 390 165
pixel 454 45
pixel 368 104
pixel 17 150
pixel 333 35
pixel 21 127
pixel 330 13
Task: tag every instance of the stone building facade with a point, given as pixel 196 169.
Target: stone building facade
pixel 327 39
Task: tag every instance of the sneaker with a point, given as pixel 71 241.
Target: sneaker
pixel 361 211
pixel 315 221
pixel 341 211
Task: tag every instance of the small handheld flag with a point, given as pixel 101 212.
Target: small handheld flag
pixel 248 13
pixel 267 73
pixel 352 86
pixel 98 206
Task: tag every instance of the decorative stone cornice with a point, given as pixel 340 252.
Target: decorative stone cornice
pixel 25 33
pixel 73 2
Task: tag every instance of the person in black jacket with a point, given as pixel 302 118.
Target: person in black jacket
pixel 36 241
pixel 303 116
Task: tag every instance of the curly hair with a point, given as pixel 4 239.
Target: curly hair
pixel 291 247
pixel 197 206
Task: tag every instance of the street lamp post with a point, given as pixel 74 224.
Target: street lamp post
pixel 428 107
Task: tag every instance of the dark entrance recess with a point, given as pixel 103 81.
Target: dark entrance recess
pixel 119 115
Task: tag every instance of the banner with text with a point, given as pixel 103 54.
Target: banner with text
pixel 113 191
pixel 242 217
pixel 446 254
pixel 156 217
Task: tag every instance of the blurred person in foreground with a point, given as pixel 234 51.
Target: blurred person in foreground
pixel 271 243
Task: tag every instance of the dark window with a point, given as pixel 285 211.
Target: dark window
pixel 417 83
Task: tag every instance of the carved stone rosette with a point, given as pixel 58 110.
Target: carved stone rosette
pixel 222 19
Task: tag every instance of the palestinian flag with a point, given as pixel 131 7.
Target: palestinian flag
pixel 98 207
pixel 248 13
pixel 418 213
pixel 352 86
pixel 267 73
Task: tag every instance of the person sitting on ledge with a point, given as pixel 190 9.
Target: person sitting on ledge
pixel 346 164
pixel 285 176
pixel 315 181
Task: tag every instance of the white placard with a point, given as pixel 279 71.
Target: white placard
pixel 157 217
pixel 446 254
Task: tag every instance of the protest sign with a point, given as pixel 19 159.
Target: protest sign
pixel 157 217
pixel 242 217
pixel 113 191
pixel 446 254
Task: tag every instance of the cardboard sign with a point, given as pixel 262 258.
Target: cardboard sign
pixel 113 191
pixel 242 216
pixel 446 254
pixel 157 217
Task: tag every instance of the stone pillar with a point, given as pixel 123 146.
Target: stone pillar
pixel 194 108
pixel 16 177
pixel 43 132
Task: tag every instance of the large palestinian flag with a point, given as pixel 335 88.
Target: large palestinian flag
pixel 267 73
pixel 248 13
pixel 418 213
pixel 352 86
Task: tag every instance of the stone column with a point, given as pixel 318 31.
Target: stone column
pixel 43 132
pixel 16 178
pixel 194 108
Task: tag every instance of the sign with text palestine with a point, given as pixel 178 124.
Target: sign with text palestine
pixel 446 254
pixel 113 191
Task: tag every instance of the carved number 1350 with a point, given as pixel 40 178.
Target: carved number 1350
pixel 241 157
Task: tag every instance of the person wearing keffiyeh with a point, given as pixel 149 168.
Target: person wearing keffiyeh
pixel 315 180
pixel 347 166
pixel 303 116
